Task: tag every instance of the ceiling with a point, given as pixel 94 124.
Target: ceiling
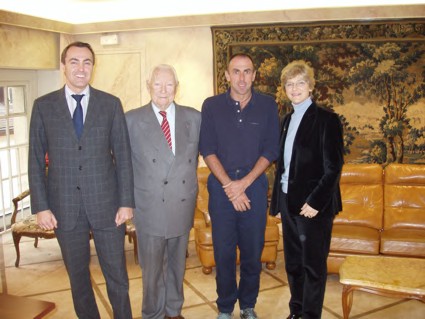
pixel 91 11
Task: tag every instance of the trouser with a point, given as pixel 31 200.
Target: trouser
pixel 306 248
pixel 245 230
pixel 163 263
pixel 109 243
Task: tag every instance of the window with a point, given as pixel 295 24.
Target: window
pixel 13 147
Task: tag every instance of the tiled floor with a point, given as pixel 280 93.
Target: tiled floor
pixel 42 275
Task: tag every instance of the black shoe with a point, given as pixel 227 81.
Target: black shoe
pixel 291 316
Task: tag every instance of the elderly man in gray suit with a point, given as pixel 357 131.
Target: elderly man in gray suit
pixel 164 147
pixel 89 185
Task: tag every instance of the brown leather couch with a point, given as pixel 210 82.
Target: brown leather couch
pixel 203 237
pixel 383 212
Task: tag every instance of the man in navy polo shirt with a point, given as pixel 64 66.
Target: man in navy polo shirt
pixel 239 139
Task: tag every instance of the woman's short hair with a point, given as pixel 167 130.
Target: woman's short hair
pixel 295 68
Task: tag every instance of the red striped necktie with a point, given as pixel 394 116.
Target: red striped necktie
pixel 166 128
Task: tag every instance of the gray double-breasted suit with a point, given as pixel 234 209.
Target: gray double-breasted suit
pixel 165 188
pixel 165 185
pixel 88 180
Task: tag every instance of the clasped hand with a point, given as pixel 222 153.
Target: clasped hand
pixel 235 191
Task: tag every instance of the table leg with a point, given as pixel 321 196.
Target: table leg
pixel 347 300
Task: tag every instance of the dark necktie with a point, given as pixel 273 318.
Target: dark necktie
pixel 77 118
pixel 166 128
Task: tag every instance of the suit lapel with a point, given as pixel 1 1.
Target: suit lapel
pixel 94 110
pixel 182 130
pixel 283 134
pixel 62 112
pixel 306 124
pixel 157 137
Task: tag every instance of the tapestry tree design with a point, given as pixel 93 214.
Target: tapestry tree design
pixel 379 66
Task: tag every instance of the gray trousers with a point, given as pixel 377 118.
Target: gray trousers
pixel 163 263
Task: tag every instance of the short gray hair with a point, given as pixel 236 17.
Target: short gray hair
pixel 160 67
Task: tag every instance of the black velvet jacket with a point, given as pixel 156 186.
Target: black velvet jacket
pixel 316 163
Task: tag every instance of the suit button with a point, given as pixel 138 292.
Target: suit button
pixel 80 168
pixel 78 187
pixel 79 148
pixel 190 160
pixel 183 181
pixel 166 182
pixel 154 160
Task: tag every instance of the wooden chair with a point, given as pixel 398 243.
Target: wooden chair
pixel 130 231
pixel 23 223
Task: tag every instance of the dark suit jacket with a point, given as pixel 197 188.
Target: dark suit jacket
pixel 166 185
pixel 316 163
pixel 95 171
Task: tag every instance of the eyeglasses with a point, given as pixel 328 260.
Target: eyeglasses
pixel 298 85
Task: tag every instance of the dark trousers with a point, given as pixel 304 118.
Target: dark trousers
pixel 109 243
pixel 306 248
pixel 231 229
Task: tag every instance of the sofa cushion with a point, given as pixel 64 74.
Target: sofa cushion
pixel 362 196
pixel 403 242
pixel 353 239
pixel 404 193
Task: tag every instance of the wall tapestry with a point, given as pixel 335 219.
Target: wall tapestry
pixel 371 73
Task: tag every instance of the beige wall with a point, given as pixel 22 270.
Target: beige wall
pixel 121 69
pixel 124 68
pixel 23 48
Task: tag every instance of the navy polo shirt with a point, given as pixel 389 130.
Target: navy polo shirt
pixel 239 137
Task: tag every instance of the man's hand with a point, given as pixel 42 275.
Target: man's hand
pixel 241 203
pixel 308 211
pixel 46 220
pixel 123 214
pixel 234 189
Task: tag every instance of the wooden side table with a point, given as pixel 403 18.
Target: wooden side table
pixel 396 277
pixel 13 307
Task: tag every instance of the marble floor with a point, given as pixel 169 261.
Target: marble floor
pixel 42 275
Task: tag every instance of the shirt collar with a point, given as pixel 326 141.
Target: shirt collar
pixel 231 101
pixel 170 110
pixel 302 107
pixel 69 92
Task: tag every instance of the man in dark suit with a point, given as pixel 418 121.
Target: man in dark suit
pixel 306 190
pixel 164 145
pixel 89 185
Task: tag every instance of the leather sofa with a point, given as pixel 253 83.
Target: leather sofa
pixel 383 212
pixel 203 237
